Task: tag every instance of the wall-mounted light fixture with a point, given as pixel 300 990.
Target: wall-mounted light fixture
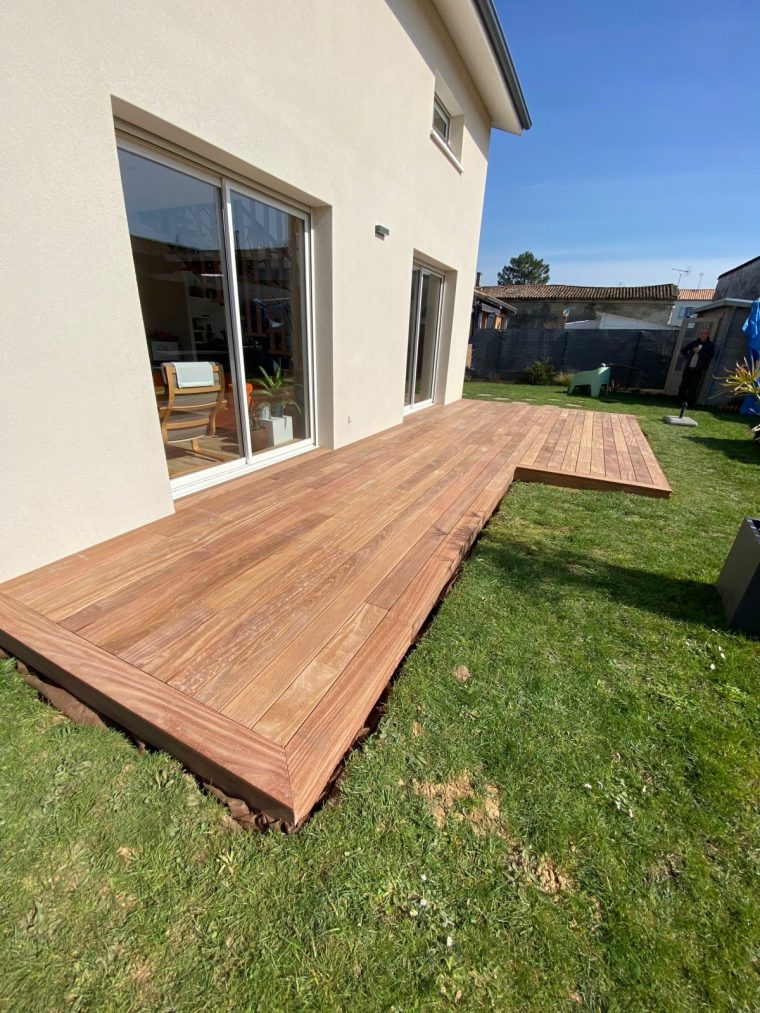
pixel 381 232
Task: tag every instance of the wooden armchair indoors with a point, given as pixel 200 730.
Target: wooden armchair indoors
pixel 190 409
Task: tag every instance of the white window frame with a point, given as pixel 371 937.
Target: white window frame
pixel 423 268
pixel 440 108
pixel 248 461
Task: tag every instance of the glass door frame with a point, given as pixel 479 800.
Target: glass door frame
pixel 414 406
pixel 247 461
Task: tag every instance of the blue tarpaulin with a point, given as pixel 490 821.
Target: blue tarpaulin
pixel 751 327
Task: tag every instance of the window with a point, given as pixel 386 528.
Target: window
pixel 424 318
pixel 221 273
pixel 441 120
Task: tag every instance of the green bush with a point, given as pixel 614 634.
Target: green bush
pixel 540 373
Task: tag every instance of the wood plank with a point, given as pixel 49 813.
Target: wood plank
pixel 234 758
pixel 283 601
pixel 641 471
pixel 570 460
pixel 550 443
pixel 597 445
pixel 289 711
pixel 401 575
pixel 653 465
pixel 532 451
pixel 568 480
pixel 560 448
pixel 332 726
pixel 611 464
pixel 223 666
pixel 624 460
pixel 258 686
pixel 583 465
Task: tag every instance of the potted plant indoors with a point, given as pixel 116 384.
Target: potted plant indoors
pixel 277 392
pixel 278 389
pixel 259 436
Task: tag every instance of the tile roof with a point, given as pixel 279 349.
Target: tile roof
pixel 482 294
pixel 696 293
pixel 572 293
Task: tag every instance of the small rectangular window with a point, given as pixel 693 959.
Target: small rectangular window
pixel 441 120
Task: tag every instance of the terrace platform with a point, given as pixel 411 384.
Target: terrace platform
pixel 251 633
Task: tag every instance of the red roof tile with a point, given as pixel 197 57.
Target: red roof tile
pixel 574 293
pixel 707 294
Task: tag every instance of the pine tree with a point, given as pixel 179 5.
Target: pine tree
pixel 524 269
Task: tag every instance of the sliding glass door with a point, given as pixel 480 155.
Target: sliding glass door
pixel 424 325
pixel 222 274
pixel 270 284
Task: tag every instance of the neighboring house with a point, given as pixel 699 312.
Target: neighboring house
pixel 742 282
pixel 689 300
pixel 722 318
pixel 220 191
pixel 555 307
pixel 489 312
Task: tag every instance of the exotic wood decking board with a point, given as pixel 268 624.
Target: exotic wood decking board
pixel 251 633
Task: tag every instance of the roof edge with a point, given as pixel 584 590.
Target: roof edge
pixel 739 267
pixel 494 300
pixel 495 34
pixel 718 303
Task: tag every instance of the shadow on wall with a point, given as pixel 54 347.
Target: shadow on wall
pixel 535 572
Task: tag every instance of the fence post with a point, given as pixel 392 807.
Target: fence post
pixel 564 352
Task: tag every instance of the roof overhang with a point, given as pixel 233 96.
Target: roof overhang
pixel 719 303
pixel 475 29
pixel 491 300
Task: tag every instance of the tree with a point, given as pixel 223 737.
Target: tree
pixel 524 269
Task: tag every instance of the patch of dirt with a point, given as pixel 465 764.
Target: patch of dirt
pixel 461 673
pixel 457 799
pixel 549 876
pixel 140 972
pixel 443 798
pixel 416 729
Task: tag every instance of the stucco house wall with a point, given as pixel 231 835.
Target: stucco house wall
pixel 325 104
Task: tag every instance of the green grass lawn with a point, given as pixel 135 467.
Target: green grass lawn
pixel 574 825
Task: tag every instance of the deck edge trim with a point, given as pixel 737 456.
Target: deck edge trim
pixel 222 750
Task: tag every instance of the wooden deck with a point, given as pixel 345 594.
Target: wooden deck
pixel 251 633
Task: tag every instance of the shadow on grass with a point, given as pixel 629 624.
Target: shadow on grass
pixel 746 451
pixel 538 572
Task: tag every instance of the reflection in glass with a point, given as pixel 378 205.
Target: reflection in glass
pixel 424 314
pixel 430 300
pixel 175 228
pixel 412 342
pixel 269 249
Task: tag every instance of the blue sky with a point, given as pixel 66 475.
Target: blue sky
pixel 644 153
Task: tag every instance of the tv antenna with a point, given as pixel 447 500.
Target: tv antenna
pixel 701 276
pixel 681 271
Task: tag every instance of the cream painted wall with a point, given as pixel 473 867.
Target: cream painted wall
pixel 327 102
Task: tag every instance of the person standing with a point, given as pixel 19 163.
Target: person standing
pixel 698 355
